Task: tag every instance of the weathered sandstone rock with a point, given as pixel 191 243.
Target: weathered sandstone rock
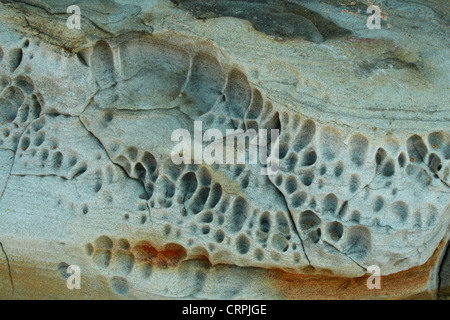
pixel 87 178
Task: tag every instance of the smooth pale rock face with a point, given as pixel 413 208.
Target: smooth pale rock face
pixel 86 170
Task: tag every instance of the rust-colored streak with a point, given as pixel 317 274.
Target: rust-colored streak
pixel 170 254
pixel 400 285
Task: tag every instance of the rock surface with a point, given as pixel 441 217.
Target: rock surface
pixel 87 179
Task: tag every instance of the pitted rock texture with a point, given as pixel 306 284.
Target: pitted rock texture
pixel 444 276
pixel 86 169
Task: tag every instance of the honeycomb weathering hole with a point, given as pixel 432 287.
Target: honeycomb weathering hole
pixel 170 254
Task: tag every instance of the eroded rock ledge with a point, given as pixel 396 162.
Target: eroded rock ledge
pixel 86 176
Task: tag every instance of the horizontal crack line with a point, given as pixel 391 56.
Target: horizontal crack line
pixel 9 267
